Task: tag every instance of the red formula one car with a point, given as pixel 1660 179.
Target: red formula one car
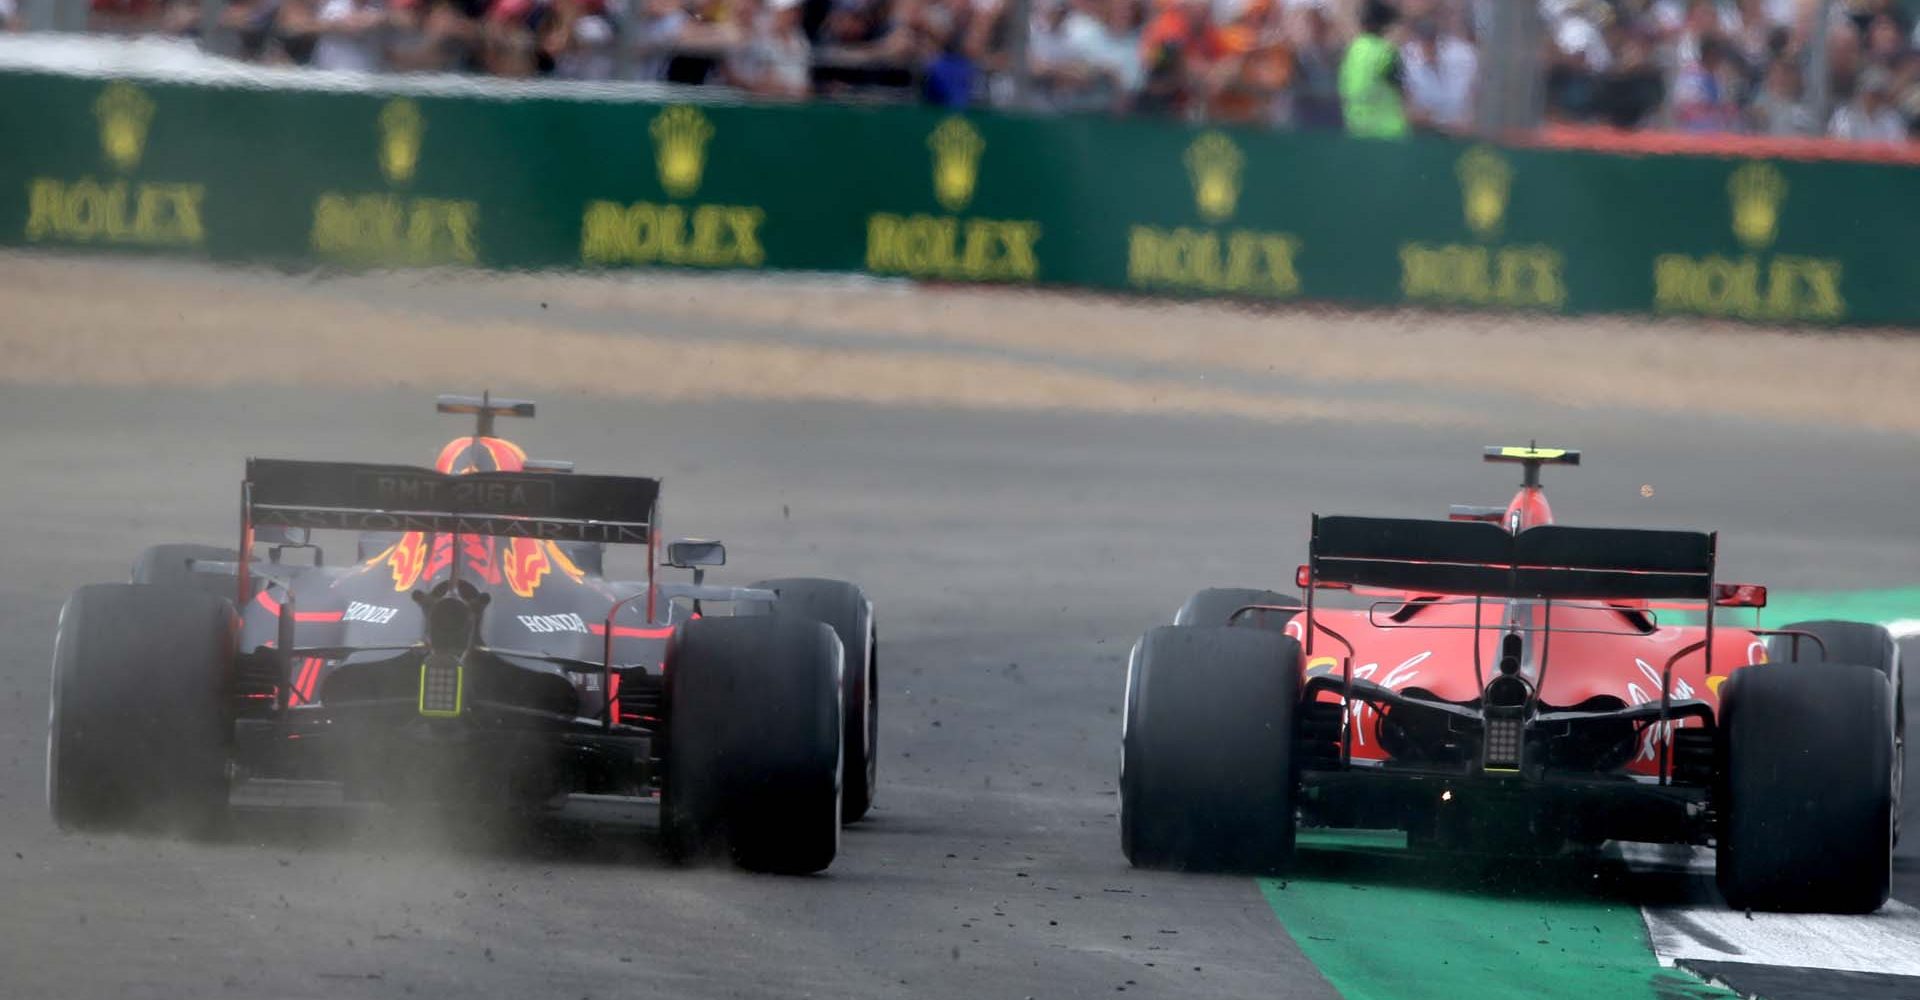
pixel 1509 684
pixel 474 652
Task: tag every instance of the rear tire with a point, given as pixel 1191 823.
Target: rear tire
pixel 846 608
pixel 1207 773
pixel 141 720
pixel 1216 606
pixel 171 566
pixel 1806 800
pixel 1856 642
pixel 753 751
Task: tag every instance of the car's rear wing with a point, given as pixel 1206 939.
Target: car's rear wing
pixel 1474 558
pixel 367 497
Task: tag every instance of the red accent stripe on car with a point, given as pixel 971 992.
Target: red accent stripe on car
pixel 629 632
pixel 273 608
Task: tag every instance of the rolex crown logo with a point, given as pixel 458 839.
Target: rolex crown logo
pixel 956 149
pixel 1213 164
pixel 680 135
pixel 1757 190
pixel 124 114
pixel 1484 181
pixel 400 129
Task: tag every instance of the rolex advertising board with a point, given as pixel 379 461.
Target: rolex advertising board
pixel 424 177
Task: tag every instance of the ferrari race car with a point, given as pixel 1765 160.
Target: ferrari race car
pixel 1506 684
pixel 474 652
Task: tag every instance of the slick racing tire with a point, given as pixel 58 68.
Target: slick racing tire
pixel 1855 642
pixel 1805 809
pixel 140 723
pixel 846 608
pixel 1207 773
pixel 1216 606
pixel 171 566
pixel 753 742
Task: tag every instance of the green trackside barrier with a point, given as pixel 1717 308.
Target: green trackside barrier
pixel 297 178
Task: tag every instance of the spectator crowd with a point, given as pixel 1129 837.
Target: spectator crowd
pixel 1701 66
pixel 1737 66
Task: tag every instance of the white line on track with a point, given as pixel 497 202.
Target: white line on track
pixel 1886 942
pixel 1904 627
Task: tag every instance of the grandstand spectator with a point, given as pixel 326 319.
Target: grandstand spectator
pixel 1632 89
pixel 1906 90
pixel 508 47
pixel 949 76
pixel 868 45
pixel 1870 116
pixel 1371 78
pixel 1441 69
pixel 776 59
pixel 1250 83
pixel 1707 89
pixel 575 39
pixel 1316 66
pixel 1180 47
pixel 433 37
pixel 655 27
pixel 346 32
pixel 1781 109
pixel 1886 41
pixel 1578 56
pixel 1085 55
pixel 338 35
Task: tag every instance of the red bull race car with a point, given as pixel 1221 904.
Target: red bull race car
pixel 1499 682
pixel 474 652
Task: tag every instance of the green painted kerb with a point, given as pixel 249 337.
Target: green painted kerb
pixel 1392 942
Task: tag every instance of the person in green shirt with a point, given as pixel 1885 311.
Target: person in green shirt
pixel 1370 78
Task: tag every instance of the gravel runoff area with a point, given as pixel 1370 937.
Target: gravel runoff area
pixel 125 321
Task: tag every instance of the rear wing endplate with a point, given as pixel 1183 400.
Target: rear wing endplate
pixel 367 497
pixel 1480 559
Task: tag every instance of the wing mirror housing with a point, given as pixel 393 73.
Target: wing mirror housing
pixel 1739 595
pixel 279 538
pixel 696 554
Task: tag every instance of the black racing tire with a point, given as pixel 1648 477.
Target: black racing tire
pixel 1216 606
pixel 1856 642
pixel 170 566
pixel 846 607
pixel 1805 804
pixel 1207 772
pixel 141 723
pixel 753 742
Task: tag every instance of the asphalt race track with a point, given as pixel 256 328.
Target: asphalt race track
pixel 1013 558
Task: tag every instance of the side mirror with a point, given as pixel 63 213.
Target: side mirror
pixel 688 553
pixel 279 538
pixel 696 554
pixel 1739 595
pixel 275 534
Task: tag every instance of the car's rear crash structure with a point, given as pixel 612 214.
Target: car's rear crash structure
pixel 1508 685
